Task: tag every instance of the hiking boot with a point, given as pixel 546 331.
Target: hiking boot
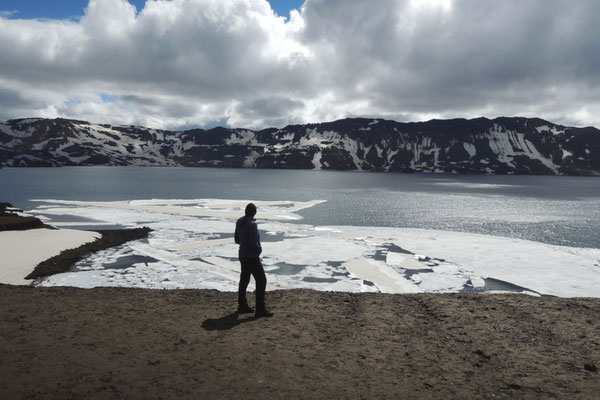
pixel 263 313
pixel 244 309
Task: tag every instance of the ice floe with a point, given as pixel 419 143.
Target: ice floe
pixel 192 247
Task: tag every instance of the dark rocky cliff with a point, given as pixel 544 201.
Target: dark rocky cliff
pixel 502 146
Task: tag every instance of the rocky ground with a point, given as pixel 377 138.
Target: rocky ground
pixel 62 343
pixel 11 221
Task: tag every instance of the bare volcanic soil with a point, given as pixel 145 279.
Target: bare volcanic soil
pixel 10 221
pixel 69 343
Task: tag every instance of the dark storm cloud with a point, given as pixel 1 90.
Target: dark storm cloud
pixel 12 102
pixel 11 98
pixel 270 107
pixel 270 111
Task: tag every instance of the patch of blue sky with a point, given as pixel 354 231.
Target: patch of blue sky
pixel 107 98
pixel 283 7
pixel 43 9
pixel 75 9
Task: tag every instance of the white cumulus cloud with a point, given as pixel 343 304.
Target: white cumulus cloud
pixel 184 63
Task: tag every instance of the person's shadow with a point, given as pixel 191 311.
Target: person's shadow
pixel 226 322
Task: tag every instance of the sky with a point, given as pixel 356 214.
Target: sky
pixel 176 64
pixel 75 9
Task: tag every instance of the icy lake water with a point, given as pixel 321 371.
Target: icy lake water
pixel 353 231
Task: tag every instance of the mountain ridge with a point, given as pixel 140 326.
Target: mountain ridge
pixel 503 145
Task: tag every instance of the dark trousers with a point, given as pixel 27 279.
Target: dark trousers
pixel 252 266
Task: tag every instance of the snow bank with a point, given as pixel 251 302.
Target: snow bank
pixel 22 250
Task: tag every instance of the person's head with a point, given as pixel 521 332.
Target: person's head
pixel 250 210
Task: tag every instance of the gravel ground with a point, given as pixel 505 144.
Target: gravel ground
pixel 69 343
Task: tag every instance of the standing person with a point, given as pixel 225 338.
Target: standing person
pixel 246 235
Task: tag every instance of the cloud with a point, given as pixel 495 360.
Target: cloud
pixel 11 100
pixel 8 13
pixel 194 62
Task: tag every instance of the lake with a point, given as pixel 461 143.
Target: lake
pixel 548 209
pixel 326 230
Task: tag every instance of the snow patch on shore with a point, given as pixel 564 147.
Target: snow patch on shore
pixel 22 251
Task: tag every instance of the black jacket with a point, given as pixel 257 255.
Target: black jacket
pixel 246 235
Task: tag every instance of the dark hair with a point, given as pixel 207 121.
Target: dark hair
pixel 250 210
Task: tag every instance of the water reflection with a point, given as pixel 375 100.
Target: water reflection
pixel 556 210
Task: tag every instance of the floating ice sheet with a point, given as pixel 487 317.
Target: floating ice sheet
pixel 191 246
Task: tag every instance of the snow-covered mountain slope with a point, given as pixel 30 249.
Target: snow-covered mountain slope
pixel 502 145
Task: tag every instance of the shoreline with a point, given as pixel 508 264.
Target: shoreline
pixel 136 343
pixel 356 259
pixel 64 261
pixel 56 250
pixel 10 220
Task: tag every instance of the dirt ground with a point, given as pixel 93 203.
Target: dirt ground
pixel 69 343
pixel 10 221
